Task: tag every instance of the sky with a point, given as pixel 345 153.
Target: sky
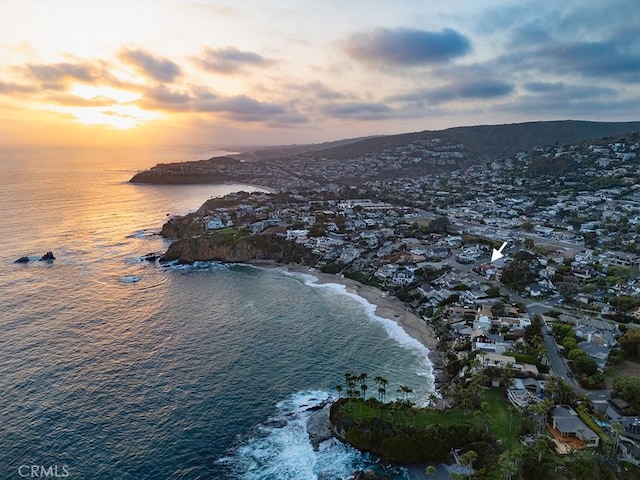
pixel 255 72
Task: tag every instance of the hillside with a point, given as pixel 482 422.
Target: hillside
pixel 356 161
pixel 489 142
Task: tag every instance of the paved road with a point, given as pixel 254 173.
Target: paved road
pixel 557 363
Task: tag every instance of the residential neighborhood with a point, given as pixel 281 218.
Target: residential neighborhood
pixel 551 310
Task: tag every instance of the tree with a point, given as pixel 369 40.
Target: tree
pixel 527 226
pixel 586 365
pixel 364 387
pixel 493 292
pixel 405 392
pixel 576 353
pixel 517 274
pixel 534 330
pixel 561 330
pixel 628 389
pixel 541 448
pixel 569 343
pixel 382 383
pixel 618 430
pixel 362 378
pixel 430 470
pixel 510 463
pixel 350 381
pixel 630 344
pixel 498 309
pixel 529 243
pixel 538 412
pixel 568 290
pixel 566 393
pixel 467 459
pixel 439 225
pixel 506 377
pixel 339 390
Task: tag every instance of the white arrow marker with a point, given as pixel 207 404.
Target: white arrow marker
pixel 497 254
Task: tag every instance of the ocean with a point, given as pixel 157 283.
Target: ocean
pixel 113 367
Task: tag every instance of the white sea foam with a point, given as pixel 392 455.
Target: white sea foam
pixel 280 449
pixel 147 232
pixel 393 328
pixel 130 279
pixel 196 266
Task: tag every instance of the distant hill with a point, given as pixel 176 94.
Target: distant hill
pixel 486 142
pixel 358 160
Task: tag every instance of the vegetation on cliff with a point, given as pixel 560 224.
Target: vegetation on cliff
pixel 403 434
pixel 233 245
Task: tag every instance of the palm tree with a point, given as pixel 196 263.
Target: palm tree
pixel 381 383
pixel 430 470
pixel 339 390
pixel 566 393
pixel 538 411
pixel 507 376
pixel 508 463
pixel 467 459
pixel 351 380
pixel 541 447
pixel 552 386
pixel 618 430
pixel 363 386
pixel 405 392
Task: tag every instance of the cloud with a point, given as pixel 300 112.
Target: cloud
pixel 200 99
pixel 230 60
pixel 52 76
pixel 562 90
pixel 75 101
pixel 163 95
pixel 159 69
pixel 309 92
pixel 598 41
pixel 242 108
pixel 12 88
pixel 407 47
pixel 614 58
pixel 540 87
pixel 470 90
pixel 358 110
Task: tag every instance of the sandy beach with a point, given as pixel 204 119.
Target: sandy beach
pixel 385 307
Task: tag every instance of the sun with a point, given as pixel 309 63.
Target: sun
pixel 115 116
pixel 113 107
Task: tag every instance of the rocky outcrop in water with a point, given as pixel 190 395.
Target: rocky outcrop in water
pixel 46 257
pixel 319 426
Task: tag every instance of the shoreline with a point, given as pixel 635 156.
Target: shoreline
pixel 385 307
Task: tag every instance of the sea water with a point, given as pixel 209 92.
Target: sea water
pixel 113 367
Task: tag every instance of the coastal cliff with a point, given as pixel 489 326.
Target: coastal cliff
pixel 390 432
pixel 236 247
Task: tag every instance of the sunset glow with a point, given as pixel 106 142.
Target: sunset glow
pixel 247 73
